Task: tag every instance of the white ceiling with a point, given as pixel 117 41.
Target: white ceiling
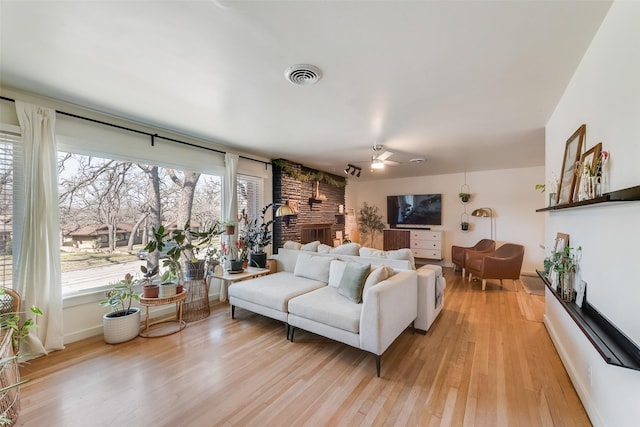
pixel 466 85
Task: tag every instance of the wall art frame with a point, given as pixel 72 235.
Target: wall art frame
pixel 572 155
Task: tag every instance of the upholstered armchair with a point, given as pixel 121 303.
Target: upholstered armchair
pixel 504 263
pixel 458 252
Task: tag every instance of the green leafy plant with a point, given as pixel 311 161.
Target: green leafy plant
pixel 370 221
pixel 120 297
pixel 256 234
pixel 20 330
pixel 160 238
pixel 464 196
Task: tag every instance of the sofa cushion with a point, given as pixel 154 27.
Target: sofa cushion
pixel 336 270
pixel 327 306
pixel 371 252
pixel 292 245
pixel 399 254
pixel 311 246
pixel 376 276
pixel 347 249
pixel 324 249
pixel 314 267
pixel 286 260
pixel 273 290
pixel 352 281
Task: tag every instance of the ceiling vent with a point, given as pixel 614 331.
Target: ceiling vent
pixel 303 74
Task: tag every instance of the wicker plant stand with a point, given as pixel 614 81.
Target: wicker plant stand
pixel 196 306
pixel 9 375
pixel 176 325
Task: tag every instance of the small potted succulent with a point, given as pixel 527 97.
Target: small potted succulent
pixel 464 225
pixel 465 197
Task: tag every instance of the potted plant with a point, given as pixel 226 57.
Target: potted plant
pixel 12 334
pixel 370 221
pixel 464 197
pixel 209 241
pixel 171 279
pixel 464 225
pixel 257 235
pixel 11 320
pixel 230 227
pixel 149 289
pixel 123 322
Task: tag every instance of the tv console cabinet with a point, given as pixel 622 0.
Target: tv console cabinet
pixel 424 244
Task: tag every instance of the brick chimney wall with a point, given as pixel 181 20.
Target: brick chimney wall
pixel 285 187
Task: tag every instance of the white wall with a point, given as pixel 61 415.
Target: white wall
pixel 510 193
pixel 604 93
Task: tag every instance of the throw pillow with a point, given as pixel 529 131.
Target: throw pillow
pixel 311 247
pixel 336 270
pixel 352 281
pixel 324 249
pixel 314 267
pixel 402 254
pixel 292 245
pixel 370 253
pixel 347 249
pixel 378 274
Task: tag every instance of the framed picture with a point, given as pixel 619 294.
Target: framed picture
pixel 590 157
pixel 572 153
pixel 562 241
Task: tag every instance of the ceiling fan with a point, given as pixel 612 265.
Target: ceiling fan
pixel 379 160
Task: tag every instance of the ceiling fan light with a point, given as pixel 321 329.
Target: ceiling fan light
pixel 377 164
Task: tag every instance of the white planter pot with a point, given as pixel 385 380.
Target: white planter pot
pixel 118 328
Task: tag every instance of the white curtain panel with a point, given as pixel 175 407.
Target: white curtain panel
pixel 38 266
pixel 230 198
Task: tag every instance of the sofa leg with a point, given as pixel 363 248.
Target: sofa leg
pixel 292 329
pixel 287 328
pixel 233 311
pixel 378 362
pixel 484 283
pixel 464 273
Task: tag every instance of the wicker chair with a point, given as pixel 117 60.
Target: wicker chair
pixel 9 301
pixel 458 252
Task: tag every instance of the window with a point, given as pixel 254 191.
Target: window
pixel 249 196
pixel 107 208
pixel 9 161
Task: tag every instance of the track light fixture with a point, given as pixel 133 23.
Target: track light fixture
pixel 353 170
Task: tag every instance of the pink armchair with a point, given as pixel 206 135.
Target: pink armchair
pixel 458 252
pixel 504 263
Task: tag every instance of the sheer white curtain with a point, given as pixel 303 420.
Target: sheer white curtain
pixel 230 197
pixel 38 264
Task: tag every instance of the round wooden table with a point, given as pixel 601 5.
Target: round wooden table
pixel 179 324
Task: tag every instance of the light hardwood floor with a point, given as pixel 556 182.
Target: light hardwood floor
pixel 487 361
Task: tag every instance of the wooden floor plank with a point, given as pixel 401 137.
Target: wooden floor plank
pixel 487 361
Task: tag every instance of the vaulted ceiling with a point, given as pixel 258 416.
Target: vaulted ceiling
pixel 466 85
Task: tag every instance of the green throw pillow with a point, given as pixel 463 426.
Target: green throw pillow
pixel 352 281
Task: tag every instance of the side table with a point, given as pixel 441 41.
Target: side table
pixel 178 323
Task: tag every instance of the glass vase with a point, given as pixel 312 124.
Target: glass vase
pixel 567 292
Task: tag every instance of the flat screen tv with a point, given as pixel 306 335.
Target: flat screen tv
pixel 414 210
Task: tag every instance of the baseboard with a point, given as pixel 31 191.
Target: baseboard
pixel 581 388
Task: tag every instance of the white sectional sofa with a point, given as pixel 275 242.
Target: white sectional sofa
pixel 308 292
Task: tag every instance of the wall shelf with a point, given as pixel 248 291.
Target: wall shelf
pixel 626 195
pixel 612 344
